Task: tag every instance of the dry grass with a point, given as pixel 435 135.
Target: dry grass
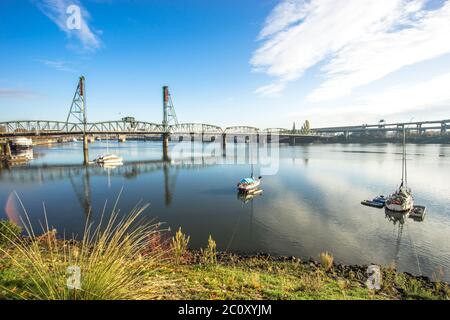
pixel 179 246
pixel 109 259
pixel 327 260
pixel 209 254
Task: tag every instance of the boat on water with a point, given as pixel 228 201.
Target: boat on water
pixel 251 184
pixel 401 200
pixel 109 159
pixel 418 213
pixel 248 184
pixel 21 143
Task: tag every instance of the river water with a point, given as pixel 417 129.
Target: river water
pixel 310 201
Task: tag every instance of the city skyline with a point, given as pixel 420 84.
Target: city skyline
pixel 262 63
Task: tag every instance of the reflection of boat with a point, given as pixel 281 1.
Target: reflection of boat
pixel 21 143
pixel 110 165
pixel 25 153
pixel 401 200
pixel 248 196
pixel 396 217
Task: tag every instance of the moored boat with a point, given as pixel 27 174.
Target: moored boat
pixel 401 200
pixel 21 143
pixel 109 159
pixel 248 184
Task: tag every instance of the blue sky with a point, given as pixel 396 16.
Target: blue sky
pixel 256 62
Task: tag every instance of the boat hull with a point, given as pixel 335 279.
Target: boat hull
pixel 248 187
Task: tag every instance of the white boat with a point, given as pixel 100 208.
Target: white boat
pixel 74 140
pixel 402 199
pixel 109 159
pixel 21 143
pixel 248 184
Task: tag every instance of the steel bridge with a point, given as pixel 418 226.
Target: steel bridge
pixel 77 124
pixel 53 128
pixel 419 126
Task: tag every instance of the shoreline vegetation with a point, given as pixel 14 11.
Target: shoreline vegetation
pixel 126 258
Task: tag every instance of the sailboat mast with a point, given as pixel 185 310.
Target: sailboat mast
pixel 404 158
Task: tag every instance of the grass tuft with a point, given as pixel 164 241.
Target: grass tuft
pixel 327 260
pixel 179 246
pixel 209 254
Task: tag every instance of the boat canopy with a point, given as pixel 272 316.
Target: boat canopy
pixel 247 180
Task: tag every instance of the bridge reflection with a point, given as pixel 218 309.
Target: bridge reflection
pixel 80 176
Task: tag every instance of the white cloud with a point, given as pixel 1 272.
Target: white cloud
pixel 58 65
pixel 273 89
pixel 355 42
pixel 425 100
pixel 56 10
pixel 13 93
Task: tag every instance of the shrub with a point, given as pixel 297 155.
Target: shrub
pixel 108 262
pixel 179 245
pixel 9 232
pixel 326 260
pixel 209 254
pixel 311 282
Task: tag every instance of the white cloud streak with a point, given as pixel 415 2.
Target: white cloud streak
pixel 425 100
pixel 56 10
pixel 12 93
pixel 355 42
pixel 58 65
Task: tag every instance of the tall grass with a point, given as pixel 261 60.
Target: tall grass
pixel 179 246
pixel 209 254
pixel 326 260
pixel 109 257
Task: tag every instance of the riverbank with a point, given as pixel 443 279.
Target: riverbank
pixel 289 278
pixel 209 275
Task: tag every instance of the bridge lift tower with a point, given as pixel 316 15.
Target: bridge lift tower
pixel 77 114
pixel 169 118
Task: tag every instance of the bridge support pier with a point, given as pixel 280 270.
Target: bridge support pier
pixel 443 128
pixel 166 147
pixel 85 150
pixel 291 141
pixel 224 145
pixel 7 150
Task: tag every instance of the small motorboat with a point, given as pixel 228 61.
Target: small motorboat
pixel 377 202
pixel 248 184
pixel 372 203
pixel 380 199
pixel 418 213
pixel 109 159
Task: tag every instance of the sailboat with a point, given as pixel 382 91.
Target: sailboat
pixel 249 184
pixel 109 160
pixel 402 199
